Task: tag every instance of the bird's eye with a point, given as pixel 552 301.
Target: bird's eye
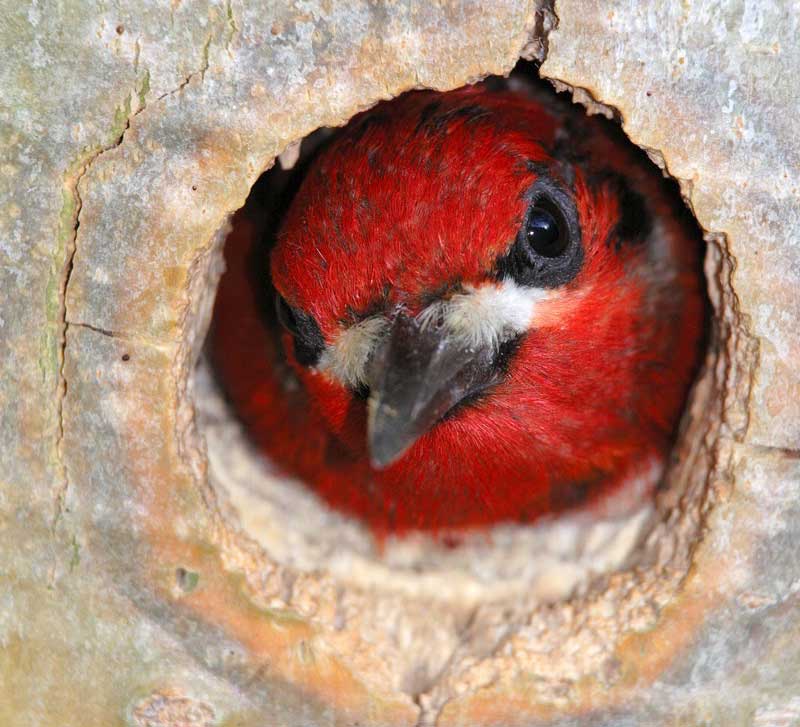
pixel 286 316
pixel 547 252
pixel 545 231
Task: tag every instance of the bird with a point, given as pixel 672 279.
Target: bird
pixel 480 306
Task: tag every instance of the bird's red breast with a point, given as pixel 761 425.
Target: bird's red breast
pixel 511 263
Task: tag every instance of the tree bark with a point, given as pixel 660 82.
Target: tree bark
pixel 130 132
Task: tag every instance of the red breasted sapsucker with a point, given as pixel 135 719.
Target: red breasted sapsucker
pixel 491 311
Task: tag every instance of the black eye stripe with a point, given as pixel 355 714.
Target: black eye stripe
pixel 308 341
pixel 285 314
pixel 635 218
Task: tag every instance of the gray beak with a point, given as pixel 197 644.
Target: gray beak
pixel 415 379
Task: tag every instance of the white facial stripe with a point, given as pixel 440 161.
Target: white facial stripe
pixel 482 317
pixel 485 316
pixel 346 358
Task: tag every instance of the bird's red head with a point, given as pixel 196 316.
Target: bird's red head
pixel 492 309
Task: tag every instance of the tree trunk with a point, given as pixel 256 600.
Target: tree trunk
pixel 131 132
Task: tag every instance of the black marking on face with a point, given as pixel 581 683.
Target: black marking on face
pixel 308 341
pixel 635 219
pixel 499 365
pixel 538 258
pixel 505 353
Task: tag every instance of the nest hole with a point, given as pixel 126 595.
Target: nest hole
pixel 299 554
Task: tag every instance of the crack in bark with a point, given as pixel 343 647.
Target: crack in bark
pixel 544 21
pixel 63 325
pixel 123 335
pixel 101 331
pixel 429 714
pixel 232 27
pixel 71 248
pixel 439 694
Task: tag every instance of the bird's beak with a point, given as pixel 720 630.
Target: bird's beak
pixel 419 374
